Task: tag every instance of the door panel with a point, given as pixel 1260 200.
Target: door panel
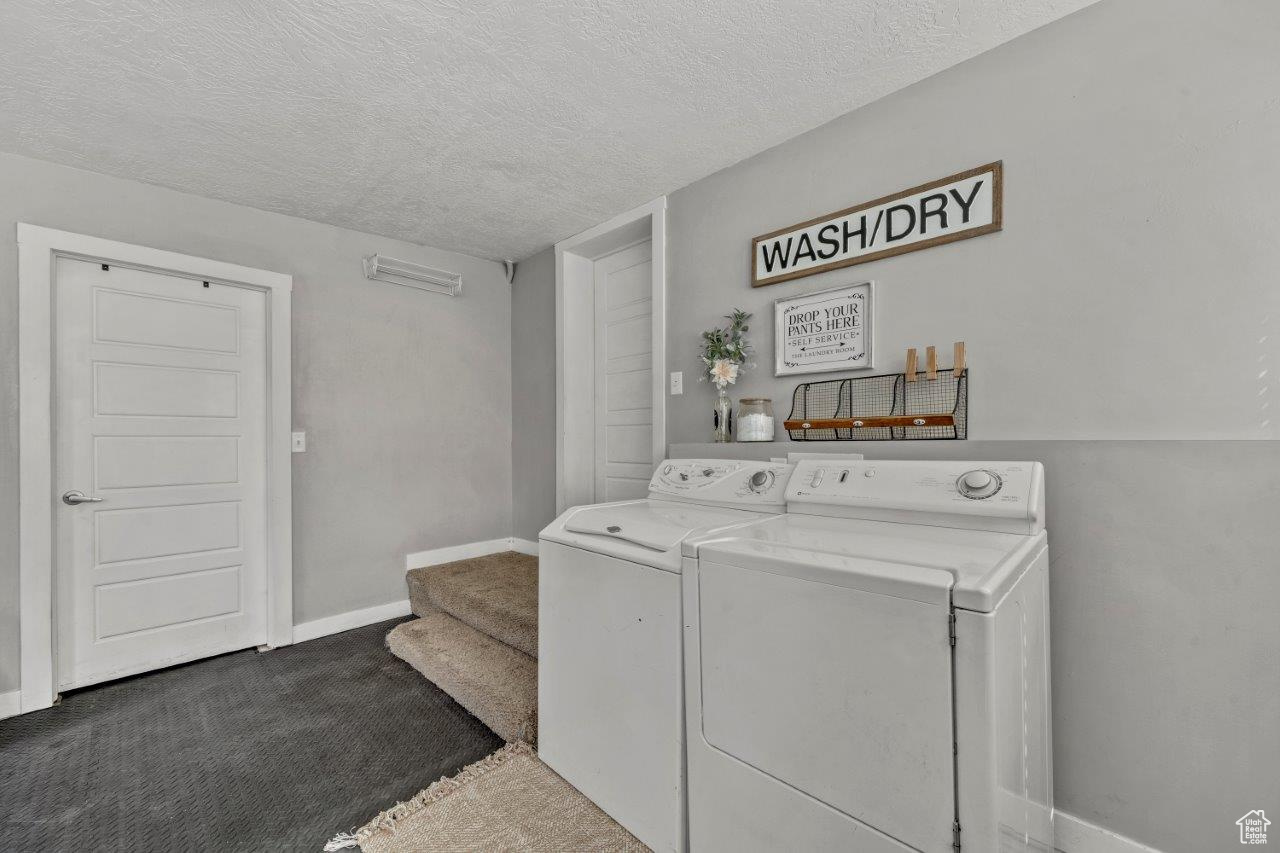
pixel 630 336
pixel 131 318
pixel 161 412
pixel 624 374
pixel 630 443
pixel 159 602
pixel 842 694
pixel 135 462
pixel 628 390
pixel 165 531
pixel 146 391
pixel 630 283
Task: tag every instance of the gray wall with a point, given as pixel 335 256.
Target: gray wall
pixel 1133 291
pixel 533 395
pixel 1132 295
pixel 384 379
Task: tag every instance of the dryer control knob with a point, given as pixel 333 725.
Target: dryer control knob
pixel 760 481
pixel 978 484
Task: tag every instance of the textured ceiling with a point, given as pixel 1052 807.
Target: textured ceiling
pixel 492 127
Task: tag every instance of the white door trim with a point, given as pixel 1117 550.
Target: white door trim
pixel 37 250
pixel 575 339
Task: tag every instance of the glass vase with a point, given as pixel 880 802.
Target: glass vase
pixel 722 417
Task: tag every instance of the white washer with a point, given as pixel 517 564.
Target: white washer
pixel 870 672
pixel 610 686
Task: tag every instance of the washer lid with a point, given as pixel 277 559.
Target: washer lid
pixel 972 568
pixel 660 529
pixel 644 531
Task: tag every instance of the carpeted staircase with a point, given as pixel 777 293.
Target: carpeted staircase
pixel 476 637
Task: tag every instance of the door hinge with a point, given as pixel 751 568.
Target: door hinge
pixel 951 627
pixel 955 833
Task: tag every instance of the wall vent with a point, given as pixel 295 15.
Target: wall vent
pixel 406 274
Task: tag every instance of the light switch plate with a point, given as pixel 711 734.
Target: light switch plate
pixel 299 442
pixel 677 383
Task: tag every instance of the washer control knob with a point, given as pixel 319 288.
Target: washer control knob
pixel 760 481
pixel 978 484
pixel 817 478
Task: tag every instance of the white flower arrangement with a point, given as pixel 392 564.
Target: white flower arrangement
pixel 725 351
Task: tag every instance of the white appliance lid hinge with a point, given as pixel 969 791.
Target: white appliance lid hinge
pixel 955 832
pixel 951 627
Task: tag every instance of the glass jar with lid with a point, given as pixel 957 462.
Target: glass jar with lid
pixel 755 419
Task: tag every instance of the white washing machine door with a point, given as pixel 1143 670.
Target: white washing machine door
pixel 834 683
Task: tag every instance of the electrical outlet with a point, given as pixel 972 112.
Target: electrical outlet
pixel 677 383
pixel 299 442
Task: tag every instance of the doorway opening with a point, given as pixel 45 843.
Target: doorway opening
pixel 610 357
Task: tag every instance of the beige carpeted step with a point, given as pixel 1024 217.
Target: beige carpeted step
pixel 497 683
pixel 496 594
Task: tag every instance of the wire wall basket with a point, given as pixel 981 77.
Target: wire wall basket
pixel 882 408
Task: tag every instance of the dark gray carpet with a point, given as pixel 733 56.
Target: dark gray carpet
pixel 244 752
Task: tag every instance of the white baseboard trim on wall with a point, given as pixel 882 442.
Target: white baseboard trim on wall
pixel 524 546
pixel 382 612
pixel 351 619
pixel 436 556
pixel 1072 834
pixel 10 704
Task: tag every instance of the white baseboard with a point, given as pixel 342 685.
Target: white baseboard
pixel 10 704
pixel 351 619
pixel 382 612
pixel 524 546
pixel 436 556
pixel 1076 835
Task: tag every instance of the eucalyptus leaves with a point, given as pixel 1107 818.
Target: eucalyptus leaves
pixel 725 350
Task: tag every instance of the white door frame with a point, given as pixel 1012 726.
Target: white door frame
pixel 575 343
pixel 38 249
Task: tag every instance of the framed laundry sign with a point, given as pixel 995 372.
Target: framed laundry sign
pixel 828 330
pixel 953 208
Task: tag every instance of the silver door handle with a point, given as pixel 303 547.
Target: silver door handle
pixel 75 496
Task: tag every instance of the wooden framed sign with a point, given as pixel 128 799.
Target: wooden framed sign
pixel 953 208
pixel 827 330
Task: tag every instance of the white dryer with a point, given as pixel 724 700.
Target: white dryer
pixel 870 671
pixel 610 686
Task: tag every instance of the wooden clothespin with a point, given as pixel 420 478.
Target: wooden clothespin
pixel 911 365
pixel 931 363
pixel 958 359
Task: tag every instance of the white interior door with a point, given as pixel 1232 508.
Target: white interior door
pixel 160 417
pixel 624 373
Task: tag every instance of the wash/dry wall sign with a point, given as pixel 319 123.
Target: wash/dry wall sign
pixel 953 208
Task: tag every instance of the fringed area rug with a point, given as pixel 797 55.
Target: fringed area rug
pixel 509 801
